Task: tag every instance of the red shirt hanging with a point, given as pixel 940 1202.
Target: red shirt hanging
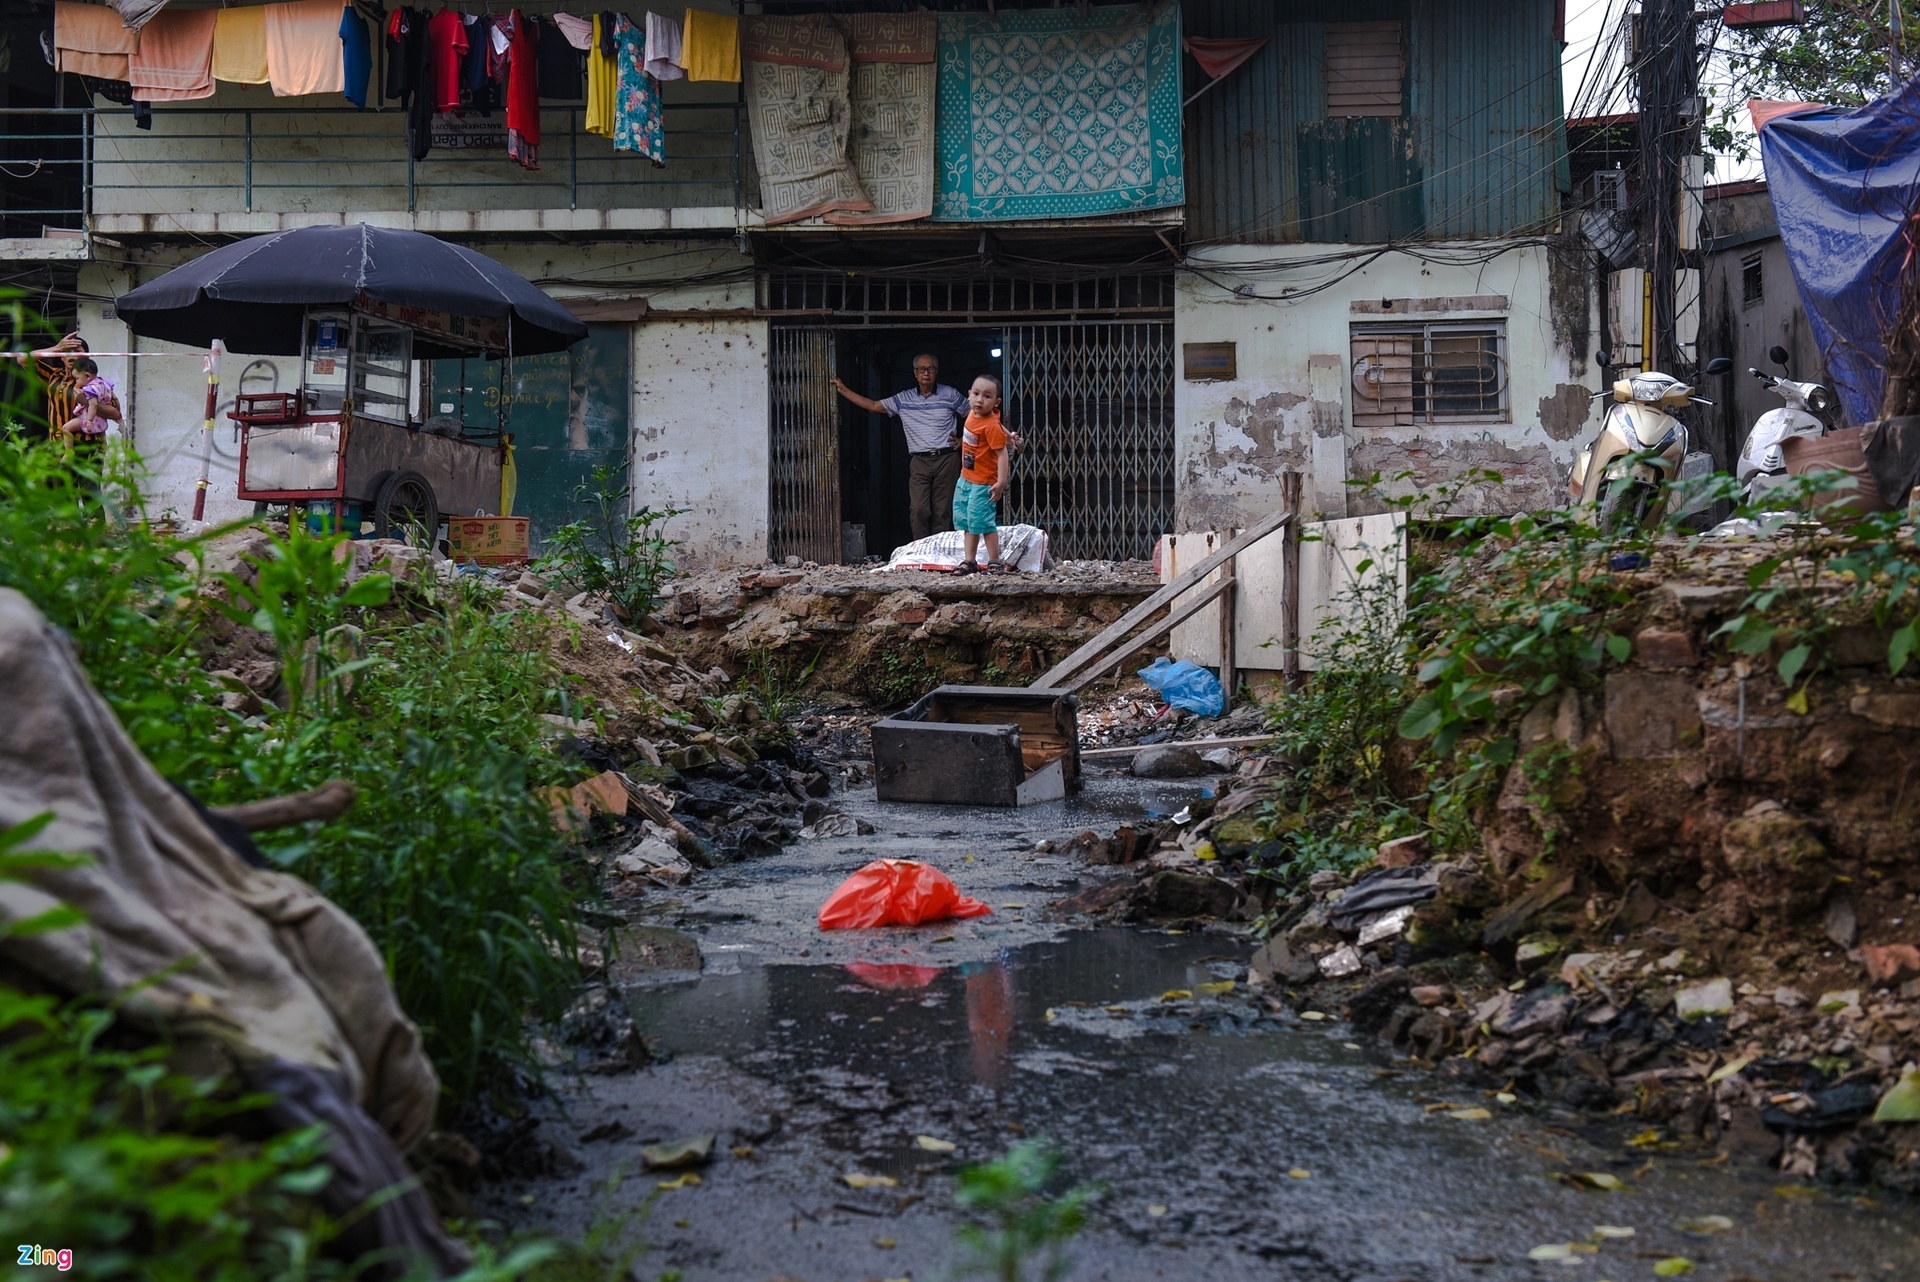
pixel 523 92
pixel 446 47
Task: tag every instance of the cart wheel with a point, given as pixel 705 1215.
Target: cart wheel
pixel 405 509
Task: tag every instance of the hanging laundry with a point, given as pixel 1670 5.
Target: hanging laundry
pixel 523 91
pixel 89 40
pixel 136 13
pixel 602 76
pixel 175 59
pixel 303 48
pixel 240 45
pixel 710 46
pixel 663 48
pixel 636 109
pixel 446 46
pixel 560 73
pixel 408 71
pixel 578 31
pixel 476 81
pixel 356 57
pixel 119 91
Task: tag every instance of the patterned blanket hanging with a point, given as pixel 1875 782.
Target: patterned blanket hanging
pixel 1056 113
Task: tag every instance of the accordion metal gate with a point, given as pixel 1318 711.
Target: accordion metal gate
pixel 1094 402
pixel 804 498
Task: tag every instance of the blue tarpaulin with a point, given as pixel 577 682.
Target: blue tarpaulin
pixel 1843 184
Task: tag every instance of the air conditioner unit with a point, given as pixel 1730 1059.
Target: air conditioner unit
pixel 1612 233
pixel 1603 189
pixel 1626 299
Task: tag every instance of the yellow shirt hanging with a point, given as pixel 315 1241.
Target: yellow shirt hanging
pixel 602 72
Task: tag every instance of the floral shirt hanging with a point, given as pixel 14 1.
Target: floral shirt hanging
pixel 636 98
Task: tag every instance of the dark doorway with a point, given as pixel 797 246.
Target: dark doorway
pixel 873 449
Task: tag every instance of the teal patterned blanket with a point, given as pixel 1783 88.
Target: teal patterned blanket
pixel 1044 113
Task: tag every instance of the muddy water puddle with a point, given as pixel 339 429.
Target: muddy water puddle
pixel 1233 1142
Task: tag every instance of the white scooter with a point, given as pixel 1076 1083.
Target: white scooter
pixel 1626 473
pixel 1763 465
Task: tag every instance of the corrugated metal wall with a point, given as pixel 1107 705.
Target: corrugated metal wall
pixel 1483 123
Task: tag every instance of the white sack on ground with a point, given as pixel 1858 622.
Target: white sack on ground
pixel 254 960
pixel 1022 546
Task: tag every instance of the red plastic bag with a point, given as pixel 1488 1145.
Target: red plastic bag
pixel 896 892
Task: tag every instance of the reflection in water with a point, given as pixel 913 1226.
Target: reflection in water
pixel 989 1021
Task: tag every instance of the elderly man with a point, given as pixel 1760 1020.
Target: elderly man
pixel 927 412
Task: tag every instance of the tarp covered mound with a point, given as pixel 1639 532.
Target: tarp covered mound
pixel 198 943
pixel 1024 547
pixel 1843 183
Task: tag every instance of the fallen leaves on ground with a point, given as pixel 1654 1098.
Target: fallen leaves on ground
pixel 689 1151
pixel 685 1181
pixel 932 1145
pixel 856 1180
pixel 1673 1266
pixel 1705 1224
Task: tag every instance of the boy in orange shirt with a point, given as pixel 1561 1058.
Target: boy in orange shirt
pixel 983 474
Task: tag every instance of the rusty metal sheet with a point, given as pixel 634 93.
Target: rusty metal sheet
pixel 465 477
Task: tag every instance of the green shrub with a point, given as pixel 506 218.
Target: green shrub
pixel 1027 1229
pixel 615 552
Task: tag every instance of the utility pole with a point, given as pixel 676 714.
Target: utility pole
pixel 1671 109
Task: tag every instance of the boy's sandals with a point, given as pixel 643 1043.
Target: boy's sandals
pixel 965 567
pixel 999 567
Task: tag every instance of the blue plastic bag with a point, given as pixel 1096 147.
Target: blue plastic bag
pixel 1186 685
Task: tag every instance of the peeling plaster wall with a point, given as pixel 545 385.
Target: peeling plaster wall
pixel 699 397
pixel 1290 405
pixel 700 436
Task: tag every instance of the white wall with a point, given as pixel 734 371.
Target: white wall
pixel 700 435
pixel 1290 405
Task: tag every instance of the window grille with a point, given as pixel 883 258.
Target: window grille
pixel 1405 375
pixel 1753 288
pixel 1365 66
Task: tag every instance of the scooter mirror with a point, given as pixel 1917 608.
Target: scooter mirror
pixel 1778 355
pixel 1603 358
pixel 1719 365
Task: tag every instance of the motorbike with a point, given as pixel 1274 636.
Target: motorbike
pixel 1626 473
pixel 1805 414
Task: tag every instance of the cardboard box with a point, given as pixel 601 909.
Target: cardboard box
pixel 488 540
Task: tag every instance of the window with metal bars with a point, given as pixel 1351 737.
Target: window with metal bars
pixel 1753 288
pixel 1404 375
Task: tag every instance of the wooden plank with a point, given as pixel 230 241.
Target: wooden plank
pixel 1186 610
pixel 1127 750
pixel 1290 588
pixel 1133 618
pixel 1226 641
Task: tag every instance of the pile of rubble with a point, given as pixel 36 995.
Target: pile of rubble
pixel 692 768
pixel 1713 927
pixel 874 637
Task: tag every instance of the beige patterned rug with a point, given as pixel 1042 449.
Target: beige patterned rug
pixel 796 69
pixel 892 96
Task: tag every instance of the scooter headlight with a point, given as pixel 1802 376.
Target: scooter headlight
pixel 1819 400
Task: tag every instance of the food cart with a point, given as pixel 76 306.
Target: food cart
pixel 359 305
pixel 348 436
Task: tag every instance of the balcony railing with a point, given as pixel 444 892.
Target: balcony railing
pixel 74 165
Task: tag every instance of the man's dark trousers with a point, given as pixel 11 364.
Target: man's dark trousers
pixel 930 481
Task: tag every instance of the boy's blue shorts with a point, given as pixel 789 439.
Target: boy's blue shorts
pixel 973 508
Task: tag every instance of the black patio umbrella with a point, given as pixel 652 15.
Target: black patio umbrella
pixel 253 294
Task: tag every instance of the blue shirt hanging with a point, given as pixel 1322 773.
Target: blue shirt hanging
pixel 356 53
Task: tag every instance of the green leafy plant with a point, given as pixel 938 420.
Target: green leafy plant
pixel 1027 1229
pixel 774 679
pixel 616 552
pixel 299 594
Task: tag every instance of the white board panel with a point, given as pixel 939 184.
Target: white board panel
pixel 1331 554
